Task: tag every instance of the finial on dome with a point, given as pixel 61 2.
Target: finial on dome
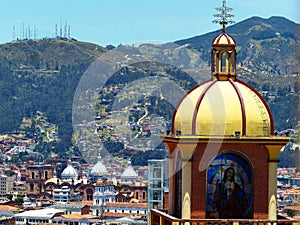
pixel 224 15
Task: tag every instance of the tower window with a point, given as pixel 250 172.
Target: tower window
pixel 223 62
pixel 31 187
pixel 89 194
pixel 233 63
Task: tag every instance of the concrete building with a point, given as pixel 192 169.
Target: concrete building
pixel 6 184
pixel 75 219
pixel 67 209
pixel 35 217
pixel 104 193
pixel 115 209
pixel 85 188
pixel 135 191
pixel 65 194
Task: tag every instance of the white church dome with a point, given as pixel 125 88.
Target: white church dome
pixel 99 168
pixel 129 173
pixel 69 173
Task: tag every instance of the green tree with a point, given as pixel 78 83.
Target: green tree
pixel 19 200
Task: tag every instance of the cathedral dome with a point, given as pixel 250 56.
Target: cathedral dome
pixel 99 168
pixel 223 108
pixel 69 173
pixel 129 174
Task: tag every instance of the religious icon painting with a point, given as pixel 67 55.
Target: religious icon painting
pixel 229 187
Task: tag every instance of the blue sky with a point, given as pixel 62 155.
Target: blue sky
pixel 130 21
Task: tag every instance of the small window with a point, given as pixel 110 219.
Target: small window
pixel 223 61
pixel 31 187
pixel 233 63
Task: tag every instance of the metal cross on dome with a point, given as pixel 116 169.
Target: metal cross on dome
pixel 224 16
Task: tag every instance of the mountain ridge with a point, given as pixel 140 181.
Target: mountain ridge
pixel 42 75
pixel 260 44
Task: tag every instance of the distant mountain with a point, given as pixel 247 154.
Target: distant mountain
pixel 42 75
pixel 264 45
pixel 48 53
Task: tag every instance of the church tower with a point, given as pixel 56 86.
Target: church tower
pixel 223 152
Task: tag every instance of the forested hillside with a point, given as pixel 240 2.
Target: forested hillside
pixel 42 75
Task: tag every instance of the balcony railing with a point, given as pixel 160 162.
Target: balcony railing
pixel 160 217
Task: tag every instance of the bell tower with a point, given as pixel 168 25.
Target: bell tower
pixel 223 152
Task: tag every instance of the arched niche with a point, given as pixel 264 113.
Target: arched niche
pixel 229 187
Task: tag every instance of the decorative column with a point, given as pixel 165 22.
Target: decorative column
pixel 272 189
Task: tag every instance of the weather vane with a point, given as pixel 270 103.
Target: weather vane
pixel 224 16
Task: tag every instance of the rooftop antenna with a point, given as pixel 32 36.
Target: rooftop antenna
pixel 224 16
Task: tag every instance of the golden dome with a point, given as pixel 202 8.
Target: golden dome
pixel 224 40
pixel 223 108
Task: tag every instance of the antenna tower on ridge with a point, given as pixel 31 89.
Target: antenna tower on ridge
pixel 35 33
pixel 60 32
pixel 69 31
pixel 65 30
pixel 14 33
pixel 224 16
pixel 56 32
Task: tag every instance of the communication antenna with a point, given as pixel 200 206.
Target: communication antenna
pixel 29 32
pixel 23 31
pixel 56 31
pixel 60 32
pixel 14 33
pixel 224 16
pixel 65 30
pixel 69 31
pixel 26 33
pixel 34 33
